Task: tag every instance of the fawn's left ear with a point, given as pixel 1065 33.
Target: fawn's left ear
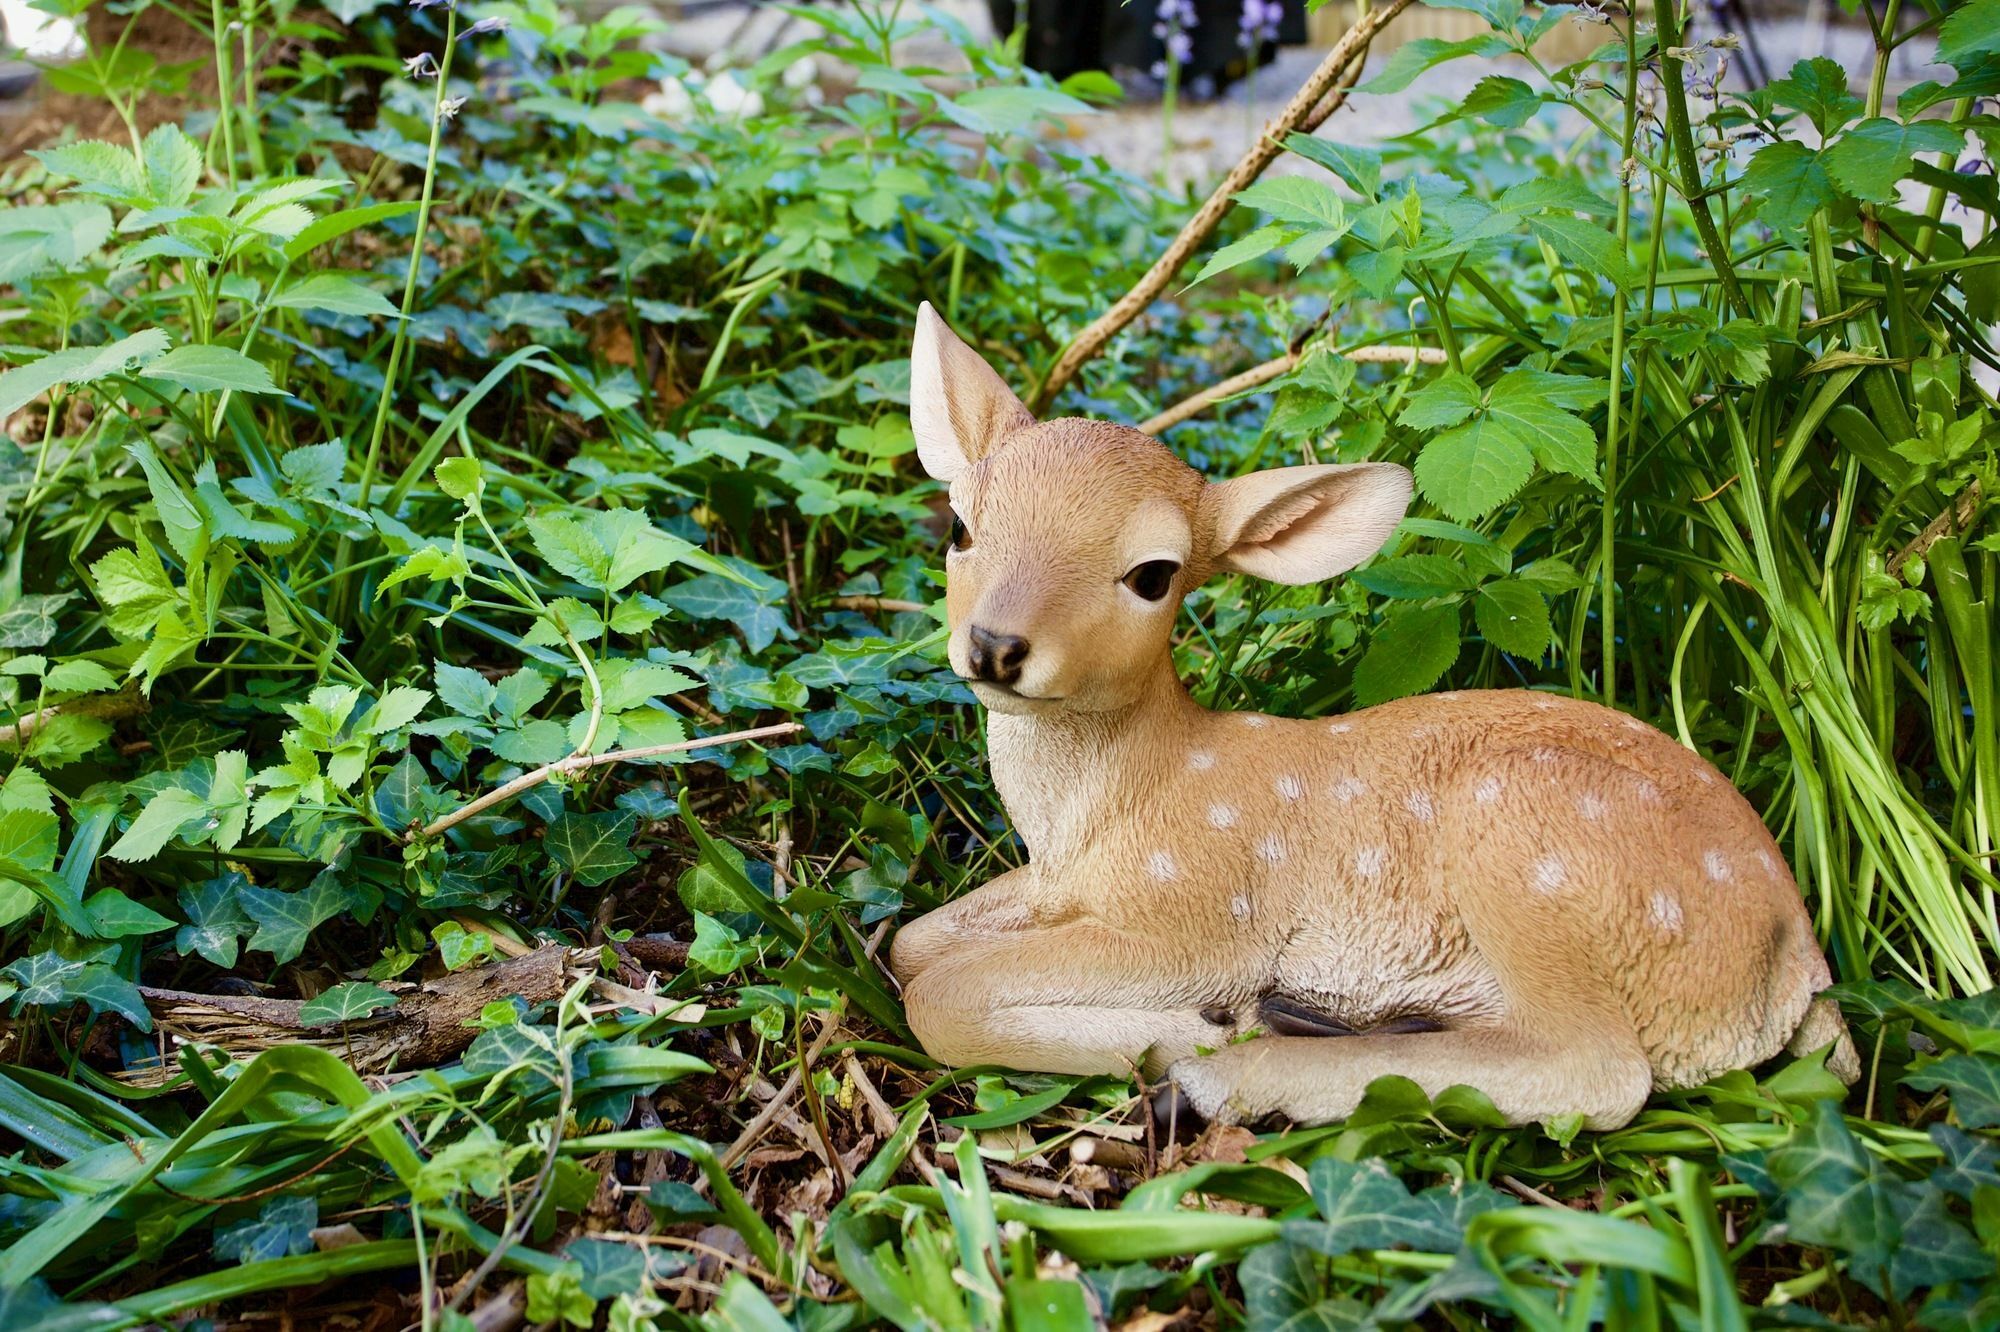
pixel 1303 524
pixel 960 410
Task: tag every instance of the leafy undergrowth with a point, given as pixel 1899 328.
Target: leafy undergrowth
pixel 476 709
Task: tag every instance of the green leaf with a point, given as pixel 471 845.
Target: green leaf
pixel 40 238
pixel 1532 405
pixel 1408 654
pixel 200 368
pixel 282 1227
pixel 1414 577
pixel 77 366
pixel 755 611
pixel 592 847
pixel 1818 87
pixel 1285 1289
pixel 215 919
pixel 1445 401
pixel 332 291
pixel 460 478
pixel 335 225
pixel 605 549
pixel 346 1002
pixel 187 530
pixel 1501 100
pixel 1512 616
pixel 1969 34
pixel 115 916
pixel 50 979
pixel 97 168
pixel 717 949
pixel 1237 253
pixel 159 823
pixel 1973 1081
pixel 173 165
pixel 1473 469
pixel 1868 160
pixel 1297 200
pixel 1790 183
pixel 1585 245
pixel 1413 58
pixel 286 920
pixel 1361 168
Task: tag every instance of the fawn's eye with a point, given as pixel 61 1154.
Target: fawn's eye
pixel 1153 579
pixel 960 538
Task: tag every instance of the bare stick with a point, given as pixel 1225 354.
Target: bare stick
pixel 579 762
pixel 1956 518
pixel 1270 370
pixel 1298 113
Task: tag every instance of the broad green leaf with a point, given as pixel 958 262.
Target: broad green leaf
pixel 592 847
pixel 1297 200
pixel 216 920
pixel 1818 88
pixel 1584 244
pixel 1414 577
pixel 1501 100
pixel 97 168
pixel 159 823
pixel 40 238
pixel 49 979
pixel 78 676
pixel 187 530
pixel 1445 401
pixel 1010 109
pixel 1790 183
pixel 1512 616
pixel 173 165
pixel 1413 58
pixel 77 366
pixel 346 1002
pixel 114 916
pixel 337 224
pixel 605 549
pixel 201 368
pixel 1408 654
pixel 1970 33
pixel 1973 1081
pixel 461 478
pixel 1472 469
pixel 1535 406
pixel 1285 1289
pixel 282 1228
pixel 755 611
pixel 332 291
pixel 1361 168
pixel 286 920
pixel 1869 159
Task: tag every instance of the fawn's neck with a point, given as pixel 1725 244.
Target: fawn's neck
pixel 1064 775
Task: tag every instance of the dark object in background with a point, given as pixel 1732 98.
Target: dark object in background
pixel 1066 37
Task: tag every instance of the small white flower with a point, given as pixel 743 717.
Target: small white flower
pixel 731 98
pixel 801 73
pixel 671 102
pixel 450 107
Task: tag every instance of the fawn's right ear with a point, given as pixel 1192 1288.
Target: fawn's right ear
pixel 959 409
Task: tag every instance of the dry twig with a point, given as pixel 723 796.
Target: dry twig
pixel 1270 370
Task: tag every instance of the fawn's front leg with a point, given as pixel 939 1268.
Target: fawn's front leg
pixel 999 906
pixel 1071 998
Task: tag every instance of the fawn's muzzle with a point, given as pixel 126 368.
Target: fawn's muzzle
pixel 996 657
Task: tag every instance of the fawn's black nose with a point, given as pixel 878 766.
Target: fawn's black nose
pixel 996 657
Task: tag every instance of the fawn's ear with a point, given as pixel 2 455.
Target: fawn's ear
pixel 1302 524
pixel 959 409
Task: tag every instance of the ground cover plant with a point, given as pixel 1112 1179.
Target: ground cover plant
pixel 475 713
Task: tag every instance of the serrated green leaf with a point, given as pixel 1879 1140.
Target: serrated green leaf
pixel 334 292
pixel 1296 200
pixel 1414 577
pixel 1871 158
pixel 173 165
pixel 1408 654
pixel 77 366
pixel 1818 88
pixel 1790 183
pixel 201 368
pixel 1237 253
pixel 159 822
pixel 1445 401
pixel 97 168
pixel 1512 616
pixel 1970 33
pixel 335 225
pixel 1472 469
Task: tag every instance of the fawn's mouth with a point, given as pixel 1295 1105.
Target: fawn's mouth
pixel 1006 698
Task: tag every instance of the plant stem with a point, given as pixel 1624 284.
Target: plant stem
pixel 1682 136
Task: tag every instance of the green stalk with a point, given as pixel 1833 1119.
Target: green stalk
pixel 1607 617
pixel 223 117
pixel 1682 136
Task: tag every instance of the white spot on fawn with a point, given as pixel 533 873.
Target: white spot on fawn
pixel 1717 866
pixel 1649 792
pixel 1161 866
pixel 1370 861
pixel 1221 816
pixel 1201 760
pixel 1545 754
pixel 1347 788
pixel 1253 719
pixel 1769 862
pixel 1340 728
pixel 1290 787
pixel 1487 791
pixel 1422 732
pixel 1239 907
pixel 1592 806
pixel 1666 912
pixel 1704 776
pixel 1549 874
pixel 1634 724
pixel 1546 705
pixel 1270 850
pixel 1451 696
pixel 1420 806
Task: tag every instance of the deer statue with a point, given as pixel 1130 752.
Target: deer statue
pixel 1544 899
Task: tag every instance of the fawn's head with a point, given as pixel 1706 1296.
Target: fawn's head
pixel 1074 541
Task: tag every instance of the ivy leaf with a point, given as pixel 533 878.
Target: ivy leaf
pixel 1408 654
pixel 33 1307
pixel 286 920
pixel 755 611
pixel 1512 616
pixel 346 1002
pixel 592 847
pixel 116 916
pixel 1868 160
pixel 1974 1084
pixel 717 949
pixel 49 979
pixel 199 368
pixel 215 919
pixel 281 1229
pixel 1790 183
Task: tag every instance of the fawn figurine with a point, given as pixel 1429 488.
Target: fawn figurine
pixel 1542 898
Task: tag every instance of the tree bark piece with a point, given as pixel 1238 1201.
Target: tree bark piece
pixel 427 1027
pixel 1270 370
pixel 1316 99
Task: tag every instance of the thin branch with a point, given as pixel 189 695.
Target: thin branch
pixel 1270 370
pixel 580 762
pixel 1305 109
pixel 1957 517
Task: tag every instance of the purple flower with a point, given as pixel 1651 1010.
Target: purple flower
pixel 420 66
pixel 1178 14
pixel 492 23
pixel 1259 22
pixel 426 4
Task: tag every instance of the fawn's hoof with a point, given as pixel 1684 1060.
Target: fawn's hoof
pixel 1174 1117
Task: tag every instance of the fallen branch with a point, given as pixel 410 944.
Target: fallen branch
pixel 1270 370
pixel 127 702
pixel 1956 518
pixel 890 604
pixel 1316 99
pixel 527 781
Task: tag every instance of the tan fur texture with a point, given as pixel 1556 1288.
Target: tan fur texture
pixel 1586 909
